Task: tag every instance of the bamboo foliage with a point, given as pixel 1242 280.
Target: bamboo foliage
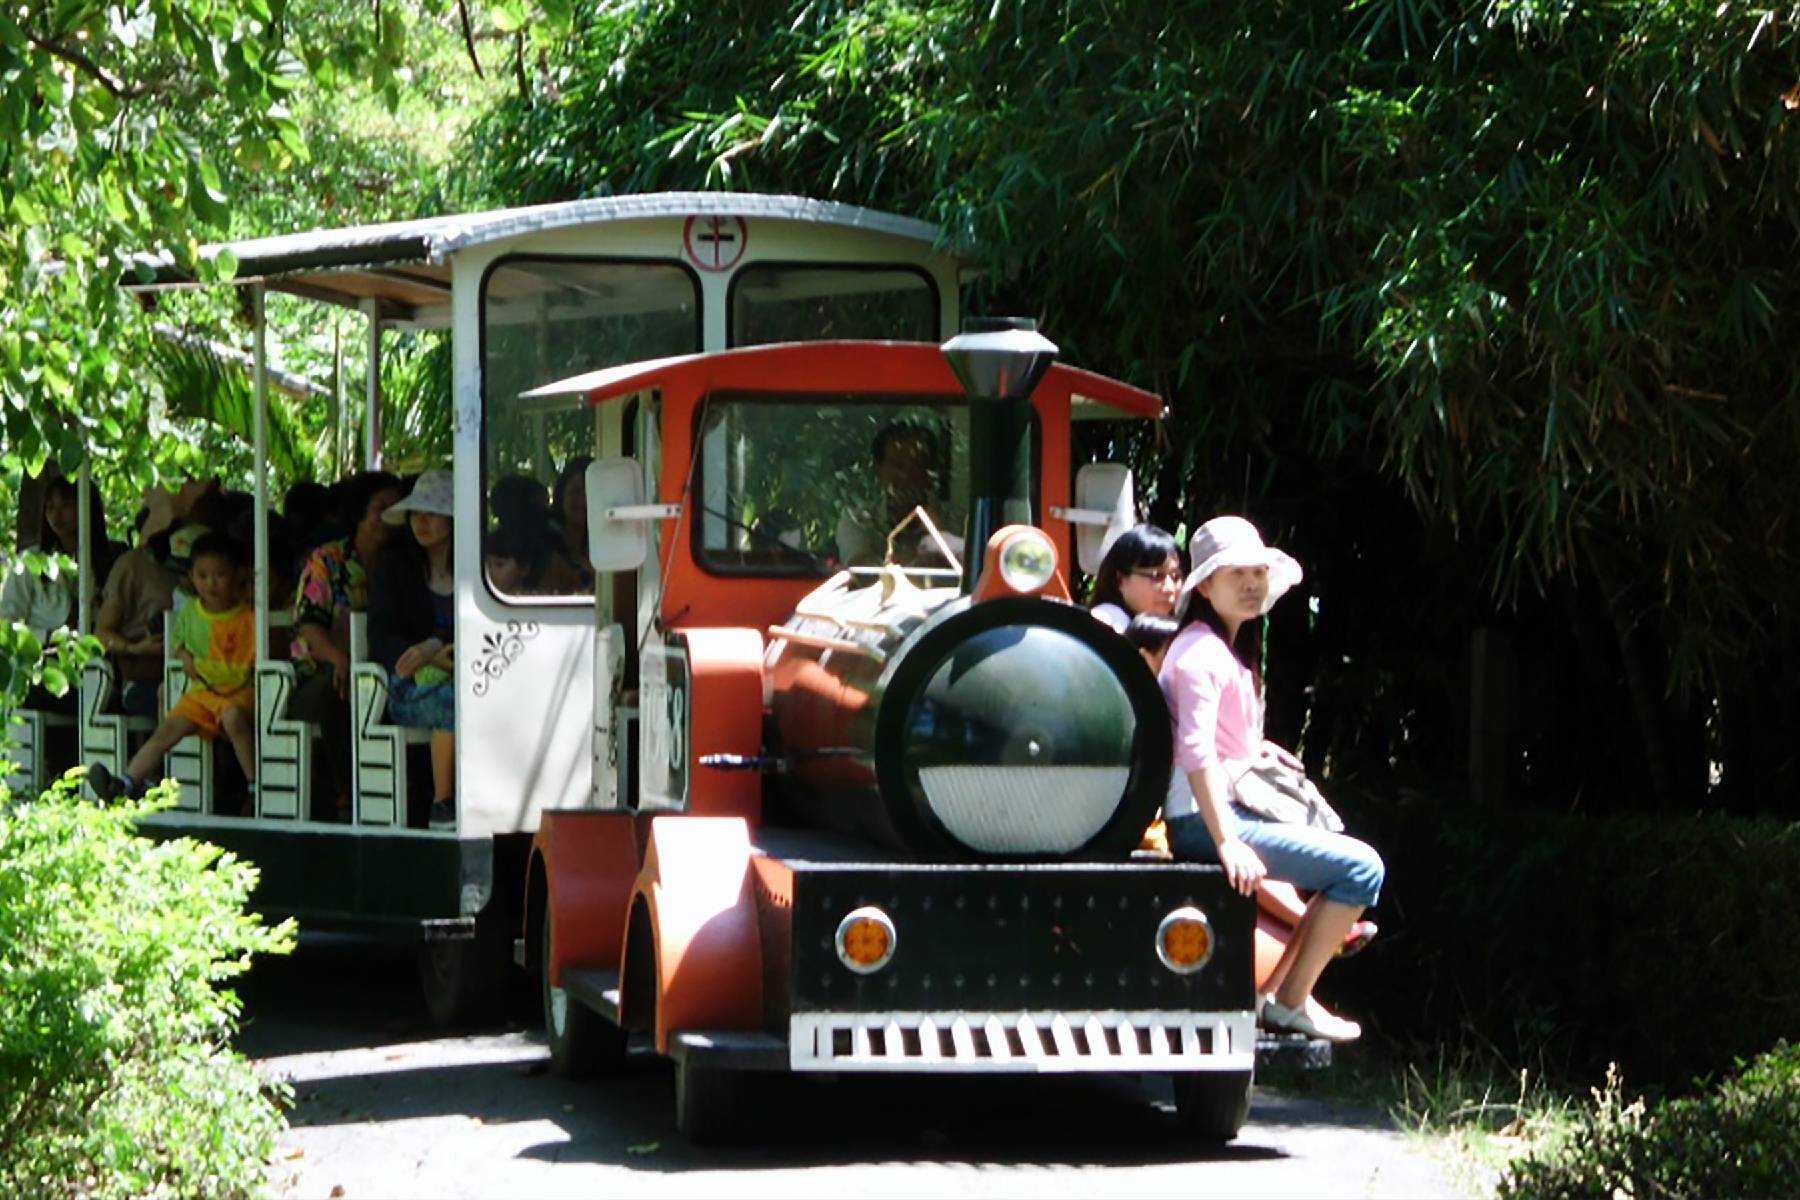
pixel 1521 251
pixel 1523 261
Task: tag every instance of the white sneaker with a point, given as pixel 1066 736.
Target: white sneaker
pixel 1279 1018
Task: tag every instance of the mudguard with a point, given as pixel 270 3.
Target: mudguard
pixel 583 866
pixel 696 887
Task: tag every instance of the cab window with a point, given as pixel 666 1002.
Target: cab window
pixel 805 488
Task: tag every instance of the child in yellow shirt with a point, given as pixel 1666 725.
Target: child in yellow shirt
pixel 215 638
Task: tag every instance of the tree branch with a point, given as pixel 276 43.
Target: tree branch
pixel 86 66
pixel 462 13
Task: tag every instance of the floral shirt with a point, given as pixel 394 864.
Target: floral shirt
pixel 333 584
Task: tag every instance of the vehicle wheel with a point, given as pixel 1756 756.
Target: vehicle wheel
pixel 582 1042
pixel 1212 1105
pixel 465 980
pixel 705 1103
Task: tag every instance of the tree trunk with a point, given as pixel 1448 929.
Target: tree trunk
pixel 1641 688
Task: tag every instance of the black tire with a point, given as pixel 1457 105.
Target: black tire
pixel 1212 1106
pixel 582 1042
pixel 705 1103
pixel 464 981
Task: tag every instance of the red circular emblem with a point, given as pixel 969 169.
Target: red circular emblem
pixel 715 243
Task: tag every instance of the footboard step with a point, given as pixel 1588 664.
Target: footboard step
pixel 730 1049
pixel 1292 1052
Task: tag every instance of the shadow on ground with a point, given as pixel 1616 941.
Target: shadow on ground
pixel 343 1020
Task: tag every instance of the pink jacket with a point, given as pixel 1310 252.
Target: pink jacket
pixel 1213 705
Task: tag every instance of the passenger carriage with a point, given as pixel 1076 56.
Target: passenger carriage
pixel 778 807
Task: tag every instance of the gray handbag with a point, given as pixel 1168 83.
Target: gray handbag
pixel 1270 789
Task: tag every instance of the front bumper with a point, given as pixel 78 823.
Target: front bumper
pixel 1022 1042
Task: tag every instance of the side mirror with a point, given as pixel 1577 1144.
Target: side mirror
pixel 1104 508
pixel 614 544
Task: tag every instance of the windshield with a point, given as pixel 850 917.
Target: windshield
pixel 805 487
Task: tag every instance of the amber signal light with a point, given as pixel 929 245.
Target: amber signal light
pixel 866 940
pixel 1184 940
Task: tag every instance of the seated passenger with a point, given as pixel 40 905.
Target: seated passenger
pixel 1151 635
pixel 138 594
pixel 1282 903
pixel 1213 682
pixel 47 603
pixel 334 582
pixel 907 459
pixel 1141 572
pixel 520 501
pixel 515 559
pixel 215 638
pixel 412 628
pixel 306 510
pixel 569 571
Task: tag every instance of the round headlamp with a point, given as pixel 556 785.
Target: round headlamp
pixel 865 940
pixel 1184 940
pixel 1027 560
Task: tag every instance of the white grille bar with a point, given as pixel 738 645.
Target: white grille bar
pixel 1022 1042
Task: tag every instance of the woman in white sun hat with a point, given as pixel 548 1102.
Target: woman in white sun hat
pixel 1212 679
pixel 412 627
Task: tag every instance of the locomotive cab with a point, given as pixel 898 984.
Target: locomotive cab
pixel 869 802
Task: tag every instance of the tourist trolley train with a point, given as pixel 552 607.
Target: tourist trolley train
pixel 827 774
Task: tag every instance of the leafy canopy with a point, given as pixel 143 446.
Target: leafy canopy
pixel 1526 257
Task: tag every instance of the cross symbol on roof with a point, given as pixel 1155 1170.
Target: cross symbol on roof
pixel 716 243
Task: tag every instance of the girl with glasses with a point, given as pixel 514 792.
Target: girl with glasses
pixel 1140 573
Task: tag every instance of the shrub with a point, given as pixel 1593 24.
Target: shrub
pixel 116 1077
pixel 1666 945
pixel 1739 1139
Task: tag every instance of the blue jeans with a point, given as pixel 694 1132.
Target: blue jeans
pixel 431 706
pixel 1312 859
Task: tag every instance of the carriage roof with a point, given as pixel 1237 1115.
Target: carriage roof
pixel 404 265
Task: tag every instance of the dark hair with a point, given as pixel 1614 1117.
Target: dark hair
pixel 1137 548
pixel 1249 645
pixel 218 545
pixel 905 429
pixel 355 493
pixel 305 504
pixel 97 540
pixel 572 471
pixel 1148 631
pixel 518 500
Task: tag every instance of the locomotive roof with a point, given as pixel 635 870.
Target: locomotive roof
pixel 403 265
pixel 876 367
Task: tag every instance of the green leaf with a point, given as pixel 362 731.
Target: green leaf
pixel 508 15
pixel 205 194
pixel 54 681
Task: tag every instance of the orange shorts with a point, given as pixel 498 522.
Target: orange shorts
pixel 206 708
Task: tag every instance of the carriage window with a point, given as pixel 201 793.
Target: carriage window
pixel 775 303
pixel 544 319
pixel 807 488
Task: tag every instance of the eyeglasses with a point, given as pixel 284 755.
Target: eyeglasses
pixel 1158 576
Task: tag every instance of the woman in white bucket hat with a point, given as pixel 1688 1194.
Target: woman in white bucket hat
pixel 412 627
pixel 1212 679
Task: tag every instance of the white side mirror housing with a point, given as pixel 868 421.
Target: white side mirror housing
pixel 613 544
pixel 1102 488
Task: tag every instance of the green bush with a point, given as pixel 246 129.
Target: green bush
pixel 116 1076
pixel 1739 1139
pixel 1667 945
